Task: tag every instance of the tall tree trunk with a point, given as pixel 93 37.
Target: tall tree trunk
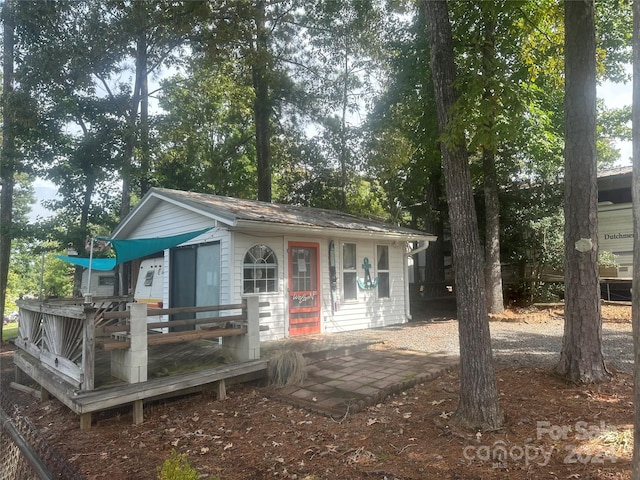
pixel 478 407
pixel 434 282
pixel 262 106
pixel 343 127
pixel 7 167
pixel 581 358
pixel 122 275
pixel 635 192
pixel 493 269
pixel 145 157
pixel 84 222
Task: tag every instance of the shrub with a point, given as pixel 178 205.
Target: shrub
pixel 287 368
pixel 177 467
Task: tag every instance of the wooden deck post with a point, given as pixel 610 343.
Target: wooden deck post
pixel 221 390
pixel 130 365
pixel 247 347
pixel 138 412
pixel 88 348
pixel 85 421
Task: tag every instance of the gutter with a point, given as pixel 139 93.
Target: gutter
pixel 405 266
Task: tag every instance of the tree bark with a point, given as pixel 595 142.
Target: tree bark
pixel 145 156
pixel 434 282
pixel 581 358
pixel 123 274
pixel 493 268
pixel 635 192
pixel 262 106
pixel 7 167
pixel 478 407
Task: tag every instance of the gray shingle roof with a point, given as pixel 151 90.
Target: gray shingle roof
pixel 235 209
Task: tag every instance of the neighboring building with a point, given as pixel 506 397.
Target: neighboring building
pixel 320 270
pixel 615 218
pixel 101 285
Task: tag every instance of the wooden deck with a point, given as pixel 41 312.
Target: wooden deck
pixel 135 360
pixel 117 393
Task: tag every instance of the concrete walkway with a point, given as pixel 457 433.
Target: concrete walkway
pixel 345 375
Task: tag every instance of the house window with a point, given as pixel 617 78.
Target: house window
pixel 382 270
pixel 260 270
pixel 349 272
pixel 106 281
pixel 148 278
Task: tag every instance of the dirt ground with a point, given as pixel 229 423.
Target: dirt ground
pixel 552 431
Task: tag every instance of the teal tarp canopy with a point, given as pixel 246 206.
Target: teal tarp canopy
pixel 130 249
pixel 96 264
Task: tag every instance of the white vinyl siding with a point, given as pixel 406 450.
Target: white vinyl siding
pixel 365 311
pixel 369 311
pixel 169 219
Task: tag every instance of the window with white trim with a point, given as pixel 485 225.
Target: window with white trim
pixel 382 271
pixel 349 272
pixel 260 270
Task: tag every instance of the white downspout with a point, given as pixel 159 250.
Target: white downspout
pixel 405 265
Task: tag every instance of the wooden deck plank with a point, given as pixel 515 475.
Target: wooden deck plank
pixel 185 336
pixel 52 383
pixel 197 321
pixel 124 394
pixel 176 323
pixel 109 344
pixel 97 400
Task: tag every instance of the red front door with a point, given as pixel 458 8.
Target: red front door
pixel 304 293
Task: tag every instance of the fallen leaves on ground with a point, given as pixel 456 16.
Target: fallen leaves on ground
pixel 552 430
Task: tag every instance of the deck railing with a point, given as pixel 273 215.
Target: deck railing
pixel 60 333
pixel 64 333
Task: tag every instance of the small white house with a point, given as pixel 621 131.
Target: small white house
pixel 101 285
pixel 320 270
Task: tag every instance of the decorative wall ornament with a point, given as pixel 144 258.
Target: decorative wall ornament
pixel 366 283
pixel 333 277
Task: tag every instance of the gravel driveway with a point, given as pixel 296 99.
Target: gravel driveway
pixel 514 343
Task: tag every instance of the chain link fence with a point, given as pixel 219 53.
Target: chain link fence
pixel 24 453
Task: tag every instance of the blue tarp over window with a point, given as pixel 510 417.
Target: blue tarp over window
pixel 130 249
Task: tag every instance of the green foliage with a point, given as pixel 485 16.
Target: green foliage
pixel 613 125
pixel 533 237
pixel 79 124
pixel 25 271
pixel 10 330
pixel 177 467
pixel 58 277
pixel 366 198
pixel 614 25
pixel 607 259
pixel 402 129
pixel 206 136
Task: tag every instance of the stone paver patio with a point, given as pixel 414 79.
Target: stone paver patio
pixel 357 378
